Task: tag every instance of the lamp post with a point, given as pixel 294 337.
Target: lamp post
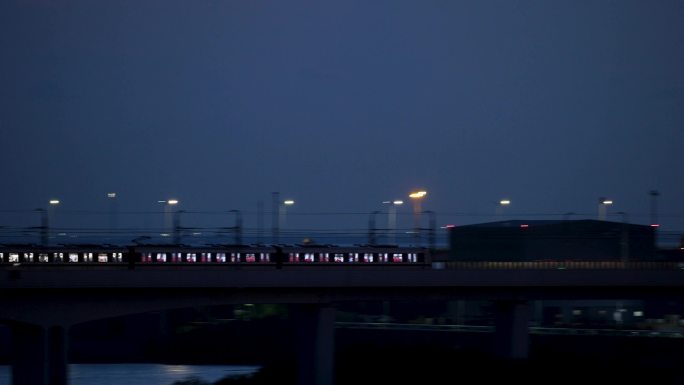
pixel 51 215
pixel 279 212
pixel 417 196
pixel 282 211
pixel 168 209
pixel 603 204
pixel 44 227
pixel 501 205
pixel 238 226
pixel 654 207
pixel 177 236
pixel 371 227
pixel 111 197
pixel 624 238
pixel 392 219
pixel 431 228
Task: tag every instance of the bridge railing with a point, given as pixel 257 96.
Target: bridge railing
pixel 561 265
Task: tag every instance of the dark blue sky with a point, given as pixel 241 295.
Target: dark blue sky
pixel 341 105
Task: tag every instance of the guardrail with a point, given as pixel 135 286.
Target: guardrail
pixel 532 329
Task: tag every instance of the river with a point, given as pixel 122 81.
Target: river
pixel 141 374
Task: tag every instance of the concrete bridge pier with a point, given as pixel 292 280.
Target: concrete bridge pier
pixel 316 344
pixel 39 355
pixel 511 334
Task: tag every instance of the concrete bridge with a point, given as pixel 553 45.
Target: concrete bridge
pixel 40 303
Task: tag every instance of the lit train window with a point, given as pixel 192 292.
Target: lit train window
pixel 383 257
pixel 2 257
pixel 161 257
pixel 28 257
pixel 43 258
pixel 250 257
pixel 13 258
pixel 308 257
pixel 57 257
pixel 102 258
pixel 397 257
pixel 205 257
pixel 147 257
pixel 235 257
pixel 221 257
pixel 324 257
pixel 118 256
pixel 87 257
pixel 191 257
pixel 339 258
pixel 73 257
pixel 264 257
pixel 353 257
pixel 368 257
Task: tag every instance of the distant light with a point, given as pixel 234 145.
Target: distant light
pixel 164 234
pixel 524 226
pixel 607 202
pixel 196 233
pixel 505 202
pixel 172 201
pixel 450 226
pixel 161 201
pixel 418 194
pixel 289 202
pixel 398 202
pixel 111 195
pixel 54 201
pixel 638 313
pixel 655 225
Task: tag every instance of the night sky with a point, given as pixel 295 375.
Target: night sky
pixel 341 105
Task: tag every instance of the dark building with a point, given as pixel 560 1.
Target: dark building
pixel 539 240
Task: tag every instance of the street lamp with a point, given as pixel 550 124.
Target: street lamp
pixel 500 206
pixel 371 227
pixel 392 219
pixel 238 226
pixel 624 238
pixel 44 225
pixel 177 227
pixel 603 204
pixel 51 216
pixel 279 211
pixel 417 196
pixel 654 207
pixel 168 208
pixel 282 212
pixel 111 196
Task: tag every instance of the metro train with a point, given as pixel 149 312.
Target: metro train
pixel 213 255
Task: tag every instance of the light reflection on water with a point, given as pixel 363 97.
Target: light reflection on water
pixel 141 374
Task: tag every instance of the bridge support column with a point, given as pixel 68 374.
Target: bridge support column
pixel 316 344
pixel 511 335
pixel 39 355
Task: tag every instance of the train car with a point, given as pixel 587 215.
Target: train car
pixel 291 254
pixel 71 254
pixel 214 254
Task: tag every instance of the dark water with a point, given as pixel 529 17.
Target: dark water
pixel 141 374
